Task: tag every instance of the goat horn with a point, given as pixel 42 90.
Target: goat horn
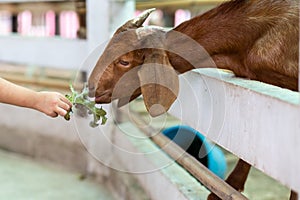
pixel 139 20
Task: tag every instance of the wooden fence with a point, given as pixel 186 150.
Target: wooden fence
pixel 257 122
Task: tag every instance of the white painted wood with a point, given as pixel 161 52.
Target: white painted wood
pixel 50 52
pixel 159 175
pixel 257 122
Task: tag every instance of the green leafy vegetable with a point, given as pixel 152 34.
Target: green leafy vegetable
pixel 81 101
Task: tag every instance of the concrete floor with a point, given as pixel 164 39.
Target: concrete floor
pixel 22 178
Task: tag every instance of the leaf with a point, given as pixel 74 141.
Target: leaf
pixel 81 100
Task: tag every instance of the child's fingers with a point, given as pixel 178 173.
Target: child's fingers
pixel 60 111
pixel 65 100
pixel 64 106
pixel 62 98
pixel 52 114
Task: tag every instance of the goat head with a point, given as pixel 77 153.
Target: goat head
pixel 134 62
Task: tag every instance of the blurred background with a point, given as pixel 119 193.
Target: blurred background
pixel 46 40
pixel 44 45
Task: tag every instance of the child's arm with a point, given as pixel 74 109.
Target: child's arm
pixel 50 103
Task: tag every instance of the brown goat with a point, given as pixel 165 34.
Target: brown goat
pixel 255 39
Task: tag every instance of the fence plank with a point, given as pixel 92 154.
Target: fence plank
pixel 197 169
pixel 257 122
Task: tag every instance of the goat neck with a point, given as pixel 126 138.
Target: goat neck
pixel 255 39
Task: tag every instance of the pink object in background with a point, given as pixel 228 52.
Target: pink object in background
pixel 25 22
pixel 69 24
pixel 181 16
pixel 5 23
pixel 41 24
pixel 50 23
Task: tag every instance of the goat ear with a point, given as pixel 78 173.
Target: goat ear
pixel 159 83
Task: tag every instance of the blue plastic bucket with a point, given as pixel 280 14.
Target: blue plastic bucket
pixel 195 144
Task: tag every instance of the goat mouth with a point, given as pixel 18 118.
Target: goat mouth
pixel 104 97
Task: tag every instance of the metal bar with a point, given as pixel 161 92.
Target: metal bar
pixel 199 171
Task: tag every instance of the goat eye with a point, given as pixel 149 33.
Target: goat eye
pixel 123 62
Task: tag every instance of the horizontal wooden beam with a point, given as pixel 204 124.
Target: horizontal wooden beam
pixel 189 163
pixel 257 122
pixel 41 77
pixel 175 3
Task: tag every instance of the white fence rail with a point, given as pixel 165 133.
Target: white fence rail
pixel 257 122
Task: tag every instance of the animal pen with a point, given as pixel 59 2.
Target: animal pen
pixel 257 122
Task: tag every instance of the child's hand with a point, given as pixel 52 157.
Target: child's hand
pixel 52 104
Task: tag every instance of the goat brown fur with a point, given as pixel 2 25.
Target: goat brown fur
pixel 255 39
